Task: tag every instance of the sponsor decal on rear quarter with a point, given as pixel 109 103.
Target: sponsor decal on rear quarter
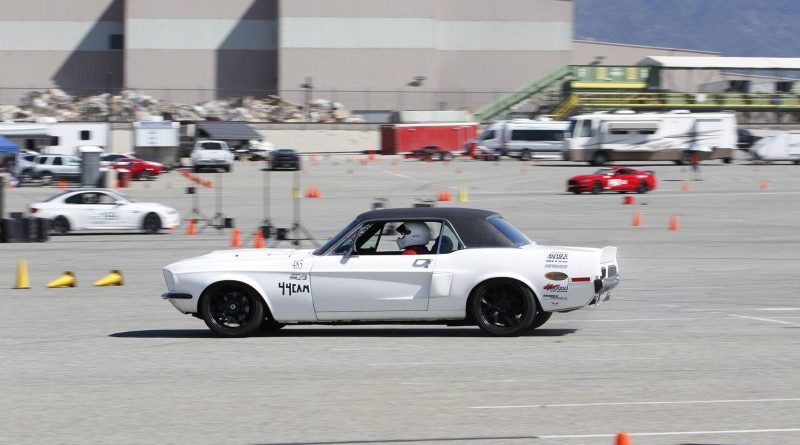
pixel 556 276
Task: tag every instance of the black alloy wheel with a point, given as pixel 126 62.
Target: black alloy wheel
pixel 642 188
pixel 504 308
pixel 152 223
pixel 233 310
pixel 61 225
pixel 597 188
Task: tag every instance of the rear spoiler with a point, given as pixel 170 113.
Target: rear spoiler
pixel 608 255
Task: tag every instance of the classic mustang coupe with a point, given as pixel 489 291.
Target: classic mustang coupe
pixel 467 267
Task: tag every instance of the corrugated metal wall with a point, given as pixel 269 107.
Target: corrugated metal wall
pixel 368 53
pixel 52 43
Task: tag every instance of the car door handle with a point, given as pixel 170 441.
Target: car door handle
pixel 421 263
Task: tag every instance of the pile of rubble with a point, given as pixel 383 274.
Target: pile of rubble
pixel 130 106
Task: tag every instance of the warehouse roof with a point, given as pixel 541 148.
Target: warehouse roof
pixel 227 130
pixel 759 63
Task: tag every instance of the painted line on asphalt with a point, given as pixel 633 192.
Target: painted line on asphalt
pixel 779 309
pixel 669 402
pixel 770 320
pixel 672 433
pixel 438 363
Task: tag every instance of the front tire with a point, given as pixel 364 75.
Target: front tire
pixel 503 308
pixel 151 223
pixel 145 175
pixel 233 310
pixel 597 188
pixel 642 188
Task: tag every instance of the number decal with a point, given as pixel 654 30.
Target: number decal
pixel 297 264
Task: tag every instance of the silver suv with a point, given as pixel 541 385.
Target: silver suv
pixel 50 168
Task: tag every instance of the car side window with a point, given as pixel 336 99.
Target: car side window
pixel 57 161
pixel 448 241
pixel 103 198
pixel 42 161
pixel 75 199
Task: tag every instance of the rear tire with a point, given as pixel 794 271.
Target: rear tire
pixel 503 307
pixel 540 319
pixel 46 178
pixel 61 225
pixel 599 158
pixel 525 155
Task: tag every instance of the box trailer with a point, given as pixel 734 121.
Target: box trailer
pixel 675 136
pixel 404 138
pixel 66 138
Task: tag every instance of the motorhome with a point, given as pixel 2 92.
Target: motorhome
pixel 781 146
pixel 524 138
pixel 626 136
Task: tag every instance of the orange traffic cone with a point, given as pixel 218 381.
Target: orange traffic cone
pixel 258 241
pixel 443 196
pixel 236 239
pixel 685 186
pixel 190 227
pixel 764 184
pixel 627 200
pixel 372 156
pixel 623 438
pixel 313 157
pixel 637 219
pixel 62 183
pixel 673 222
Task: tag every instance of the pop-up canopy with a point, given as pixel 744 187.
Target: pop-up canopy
pixel 7 146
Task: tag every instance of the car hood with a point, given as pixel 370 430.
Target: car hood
pixel 231 257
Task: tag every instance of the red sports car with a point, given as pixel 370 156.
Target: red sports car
pixel 140 169
pixel 616 179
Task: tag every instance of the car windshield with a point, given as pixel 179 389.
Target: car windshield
pixel 571 130
pixel 604 171
pixel 211 146
pixel 334 239
pixel 509 231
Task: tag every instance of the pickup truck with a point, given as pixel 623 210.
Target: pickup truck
pixel 211 155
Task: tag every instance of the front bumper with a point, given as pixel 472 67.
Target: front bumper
pixel 176 296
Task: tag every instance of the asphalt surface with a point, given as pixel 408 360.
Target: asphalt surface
pixel 700 343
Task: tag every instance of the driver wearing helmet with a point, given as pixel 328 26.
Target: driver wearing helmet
pixel 413 238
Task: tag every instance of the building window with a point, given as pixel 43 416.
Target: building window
pixel 86 135
pixel 54 141
pixel 116 41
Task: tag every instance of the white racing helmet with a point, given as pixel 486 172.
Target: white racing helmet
pixel 413 234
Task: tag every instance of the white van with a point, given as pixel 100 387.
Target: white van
pixel 525 139
pixel 782 146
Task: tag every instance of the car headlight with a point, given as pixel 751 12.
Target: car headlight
pixel 170 279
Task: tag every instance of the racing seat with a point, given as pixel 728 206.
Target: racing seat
pixel 442 245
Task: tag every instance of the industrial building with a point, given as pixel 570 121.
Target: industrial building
pixel 366 54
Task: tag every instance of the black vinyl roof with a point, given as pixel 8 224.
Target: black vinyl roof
pixel 227 131
pixel 472 225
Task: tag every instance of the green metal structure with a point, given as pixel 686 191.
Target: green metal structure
pixel 496 109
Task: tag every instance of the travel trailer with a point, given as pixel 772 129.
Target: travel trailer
pixel 627 136
pixel 782 146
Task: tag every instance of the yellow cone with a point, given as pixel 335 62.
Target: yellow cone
pixel 463 196
pixel 22 275
pixel 112 279
pixel 66 280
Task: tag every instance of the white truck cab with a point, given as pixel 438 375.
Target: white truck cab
pixel 208 154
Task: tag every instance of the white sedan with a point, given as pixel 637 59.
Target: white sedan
pixel 103 209
pixel 476 269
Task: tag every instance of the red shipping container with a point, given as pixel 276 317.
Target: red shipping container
pixel 403 138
